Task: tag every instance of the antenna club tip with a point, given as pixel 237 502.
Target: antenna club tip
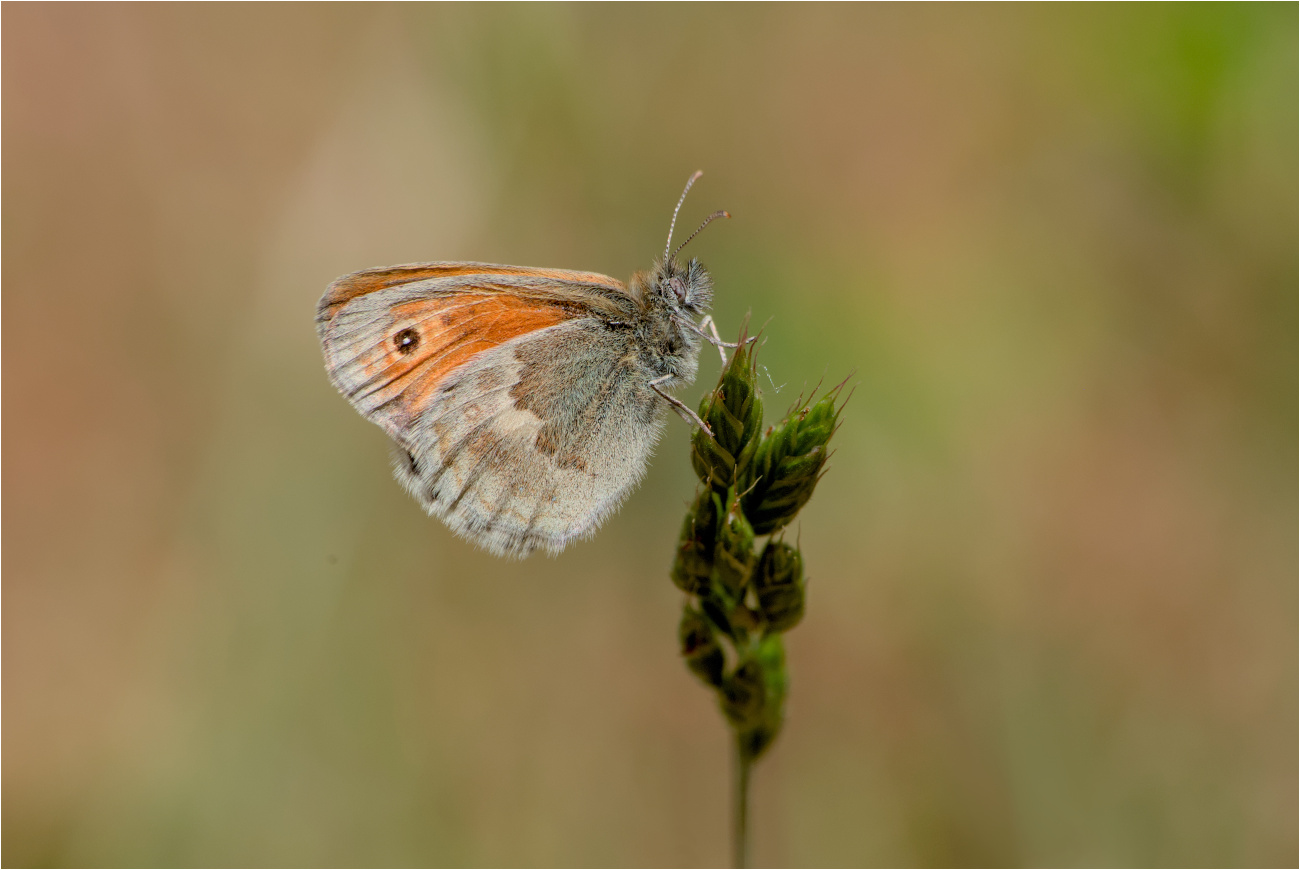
pixel 726 214
pixel 699 173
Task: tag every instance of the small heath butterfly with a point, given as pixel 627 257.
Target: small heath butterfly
pixel 524 403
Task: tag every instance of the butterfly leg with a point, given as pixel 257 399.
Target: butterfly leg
pixel 714 339
pixel 679 406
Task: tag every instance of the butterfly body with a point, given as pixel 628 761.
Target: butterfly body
pixel 524 403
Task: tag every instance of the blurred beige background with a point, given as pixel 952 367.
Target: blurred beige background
pixel 1053 604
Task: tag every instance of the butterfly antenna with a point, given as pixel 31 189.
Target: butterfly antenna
pixel 708 220
pixel 694 178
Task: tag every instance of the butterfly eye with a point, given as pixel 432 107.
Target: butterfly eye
pixel 678 288
pixel 406 341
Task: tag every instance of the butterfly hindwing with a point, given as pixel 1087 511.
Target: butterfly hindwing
pixel 533 443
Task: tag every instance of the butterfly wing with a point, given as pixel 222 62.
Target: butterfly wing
pixel 521 416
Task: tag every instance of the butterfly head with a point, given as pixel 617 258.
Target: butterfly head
pixel 684 290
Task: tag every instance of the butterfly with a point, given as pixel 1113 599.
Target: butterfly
pixel 524 403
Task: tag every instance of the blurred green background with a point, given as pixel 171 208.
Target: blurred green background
pixel 1053 603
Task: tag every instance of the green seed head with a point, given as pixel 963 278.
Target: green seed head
pixel 788 464
pixel 743 694
pixel 755 484
pixel 757 734
pixel 700 647
pixel 734 411
pixel 693 565
pixel 779 584
pixel 734 557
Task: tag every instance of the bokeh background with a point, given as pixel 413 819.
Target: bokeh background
pixel 1053 606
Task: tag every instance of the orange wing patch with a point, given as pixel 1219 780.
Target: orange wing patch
pixel 391 375
pixel 431 337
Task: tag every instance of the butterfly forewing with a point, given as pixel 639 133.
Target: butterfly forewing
pixel 391 336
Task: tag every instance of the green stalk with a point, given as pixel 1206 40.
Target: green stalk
pixel 740 809
pixel 744 593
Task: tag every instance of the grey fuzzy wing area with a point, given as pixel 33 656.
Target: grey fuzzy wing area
pixel 534 443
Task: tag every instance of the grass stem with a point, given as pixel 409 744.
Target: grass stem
pixel 740 842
